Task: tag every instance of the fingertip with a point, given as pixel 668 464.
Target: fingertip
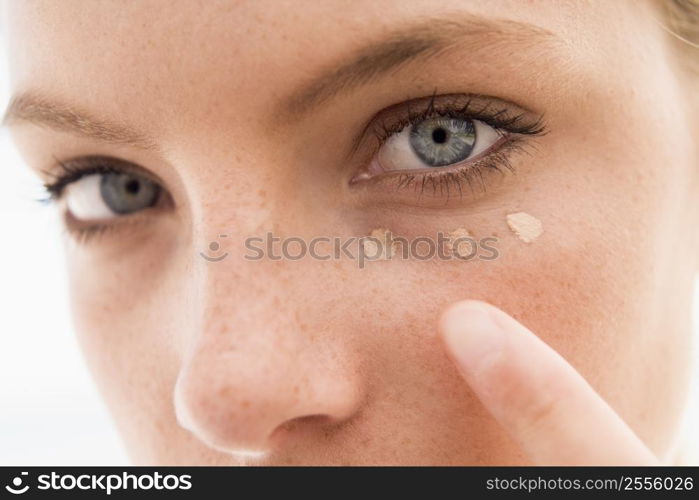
pixel 455 313
pixel 471 335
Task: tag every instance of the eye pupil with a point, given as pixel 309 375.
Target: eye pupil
pixel 133 186
pixel 439 135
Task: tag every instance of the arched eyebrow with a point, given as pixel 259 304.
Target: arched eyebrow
pixel 32 107
pixel 424 39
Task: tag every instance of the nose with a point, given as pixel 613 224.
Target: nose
pixel 255 375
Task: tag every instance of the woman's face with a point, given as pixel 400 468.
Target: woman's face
pixel 301 120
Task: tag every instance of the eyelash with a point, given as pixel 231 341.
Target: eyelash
pixel 516 126
pixel 73 171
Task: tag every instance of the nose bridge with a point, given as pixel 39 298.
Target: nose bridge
pixel 238 351
pixel 233 291
pixel 237 285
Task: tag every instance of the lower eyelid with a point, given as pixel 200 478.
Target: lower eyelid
pixel 84 230
pixel 89 230
pixel 469 180
pixel 374 170
pixel 83 233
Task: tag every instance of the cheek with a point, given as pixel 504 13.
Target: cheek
pixel 588 291
pixel 122 308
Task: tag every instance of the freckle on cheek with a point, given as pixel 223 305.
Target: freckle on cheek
pixel 525 226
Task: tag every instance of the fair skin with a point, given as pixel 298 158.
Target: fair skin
pixel 225 105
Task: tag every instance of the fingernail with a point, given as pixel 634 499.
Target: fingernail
pixel 472 335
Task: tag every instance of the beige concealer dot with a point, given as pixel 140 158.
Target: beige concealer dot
pixel 370 247
pixel 463 248
pixel 384 249
pixel 525 226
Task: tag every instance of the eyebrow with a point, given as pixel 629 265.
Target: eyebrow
pixel 32 107
pixel 420 40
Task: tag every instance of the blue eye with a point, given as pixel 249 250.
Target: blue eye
pixel 443 140
pixel 126 193
pixel 110 194
pixel 437 142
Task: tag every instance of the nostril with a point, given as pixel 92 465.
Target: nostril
pixel 301 425
pixel 308 420
pixel 237 406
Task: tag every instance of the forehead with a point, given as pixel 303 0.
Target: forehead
pixel 218 57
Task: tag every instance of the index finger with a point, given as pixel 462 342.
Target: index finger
pixel 543 402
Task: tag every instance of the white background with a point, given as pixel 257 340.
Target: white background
pixel 50 411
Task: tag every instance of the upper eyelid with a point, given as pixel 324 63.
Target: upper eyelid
pixel 66 172
pixel 474 105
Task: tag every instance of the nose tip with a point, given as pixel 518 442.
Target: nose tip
pixel 219 421
pixel 249 418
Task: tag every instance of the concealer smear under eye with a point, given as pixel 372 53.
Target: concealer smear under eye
pixel 460 242
pixel 383 249
pixel 525 226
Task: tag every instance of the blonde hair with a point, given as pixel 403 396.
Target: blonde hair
pixel 683 19
pixel 682 22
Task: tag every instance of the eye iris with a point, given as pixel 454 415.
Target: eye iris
pixel 126 193
pixel 443 141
